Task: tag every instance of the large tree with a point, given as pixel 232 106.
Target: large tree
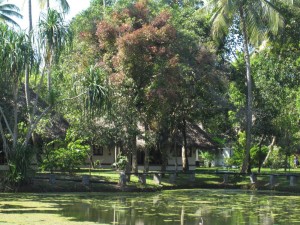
pixel 256 18
pixel 159 64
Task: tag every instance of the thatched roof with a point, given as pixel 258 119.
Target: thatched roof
pixel 54 129
pixel 57 127
pixel 197 137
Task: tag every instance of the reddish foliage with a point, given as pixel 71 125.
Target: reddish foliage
pixel 140 42
pixel 84 35
pixel 116 78
pixel 125 28
pixel 105 32
pixel 173 62
pixel 140 11
pixel 161 20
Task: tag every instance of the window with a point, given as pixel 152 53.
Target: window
pixel 97 150
pixel 2 158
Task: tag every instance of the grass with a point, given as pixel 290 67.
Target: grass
pixel 107 180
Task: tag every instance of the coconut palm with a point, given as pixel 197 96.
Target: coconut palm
pixel 7 11
pixel 257 18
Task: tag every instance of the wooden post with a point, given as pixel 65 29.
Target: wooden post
pixel 253 178
pixel 142 178
pixel 128 177
pixel 172 178
pixel 86 180
pixel 293 180
pixel 52 179
pixel 192 177
pixel 272 180
pixel 122 180
pixel 225 178
pixel 157 178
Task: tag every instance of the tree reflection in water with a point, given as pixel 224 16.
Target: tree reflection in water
pixel 181 207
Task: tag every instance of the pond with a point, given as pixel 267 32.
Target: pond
pixel 182 207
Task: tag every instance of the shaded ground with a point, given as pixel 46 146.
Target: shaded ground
pixel 102 180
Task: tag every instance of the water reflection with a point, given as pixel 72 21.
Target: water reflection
pixel 182 207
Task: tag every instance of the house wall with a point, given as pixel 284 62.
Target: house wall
pixel 108 158
pixel 221 156
pixel 172 162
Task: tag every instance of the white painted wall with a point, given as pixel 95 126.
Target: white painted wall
pixel 108 158
pixel 221 156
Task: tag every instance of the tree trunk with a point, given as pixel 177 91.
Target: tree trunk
pixel 146 157
pixel 286 161
pixel 5 145
pixel 174 145
pixel 15 115
pixel 260 152
pixel 27 94
pixel 27 69
pixel 30 15
pixel 271 147
pixel 163 148
pixel 246 167
pixel 129 160
pixel 49 75
pixel 185 160
pixel 134 154
pixel 176 158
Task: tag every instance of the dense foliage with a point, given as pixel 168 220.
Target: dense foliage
pixel 128 70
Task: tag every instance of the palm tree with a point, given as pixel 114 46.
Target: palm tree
pixel 257 18
pixel 7 11
pixel 63 4
pixel 54 35
pixel 15 50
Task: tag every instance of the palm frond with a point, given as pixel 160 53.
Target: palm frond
pixel 64 5
pixel 7 11
pixel 222 12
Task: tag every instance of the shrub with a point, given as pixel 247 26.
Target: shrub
pixel 121 162
pixel 19 166
pixel 66 158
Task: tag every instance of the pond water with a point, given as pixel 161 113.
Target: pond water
pixel 180 207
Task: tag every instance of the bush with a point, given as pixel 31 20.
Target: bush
pixel 67 158
pixel 208 157
pixel 19 166
pixel 121 162
pixel 276 159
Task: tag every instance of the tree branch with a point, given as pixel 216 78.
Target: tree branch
pixel 33 126
pixel 6 148
pixel 77 96
pixel 6 122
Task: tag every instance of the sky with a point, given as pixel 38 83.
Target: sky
pixel 76 6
